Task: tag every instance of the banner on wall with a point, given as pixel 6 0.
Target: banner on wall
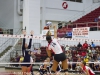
pixel 80 32
pixel 44 32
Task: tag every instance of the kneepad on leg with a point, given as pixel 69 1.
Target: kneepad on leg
pixel 65 65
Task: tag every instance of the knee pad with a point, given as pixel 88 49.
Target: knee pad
pixel 66 70
pixel 53 72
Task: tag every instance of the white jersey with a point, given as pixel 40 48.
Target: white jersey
pixel 89 70
pixel 55 47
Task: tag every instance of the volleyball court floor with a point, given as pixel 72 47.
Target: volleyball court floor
pixel 4 71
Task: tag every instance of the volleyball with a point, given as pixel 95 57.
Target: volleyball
pixel 48 23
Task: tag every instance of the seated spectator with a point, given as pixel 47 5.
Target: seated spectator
pixel 91 65
pixel 12 60
pixel 89 50
pixel 78 68
pixel 39 51
pixel 79 45
pixel 93 51
pixel 67 54
pixel 92 44
pixel 98 57
pixel 71 48
pixel 85 45
pixel 97 50
pixel 96 65
pixel 86 59
pixel 91 55
pixel 66 48
pixel 74 47
pixel 35 51
pixel 83 53
pixel 70 64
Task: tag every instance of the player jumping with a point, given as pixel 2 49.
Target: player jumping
pixel 59 55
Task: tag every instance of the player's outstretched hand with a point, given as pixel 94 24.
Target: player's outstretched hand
pixel 31 32
pixel 24 32
pixel 54 26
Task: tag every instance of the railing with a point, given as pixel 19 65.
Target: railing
pixel 8 42
pixel 14 53
pixel 76 25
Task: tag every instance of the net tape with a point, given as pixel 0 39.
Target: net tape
pixel 43 38
pixel 46 63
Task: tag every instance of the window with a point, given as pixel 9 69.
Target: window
pixel 74 0
pixel 78 0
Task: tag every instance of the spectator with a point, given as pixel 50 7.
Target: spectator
pixel 70 64
pixel 93 51
pixel 74 47
pixel 39 51
pixel 96 65
pixel 98 57
pixel 83 53
pixel 91 55
pixel 89 50
pixel 92 44
pixel 67 54
pixel 91 64
pixel 86 59
pixel 97 50
pixel 35 51
pixel 66 48
pixel 77 68
pixel 71 48
pixel 79 45
pixel 85 45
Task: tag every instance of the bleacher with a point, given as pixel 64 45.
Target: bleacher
pixel 86 21
pixel 90 17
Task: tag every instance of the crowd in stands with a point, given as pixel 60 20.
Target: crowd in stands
pixel 77 53
pixel 86 52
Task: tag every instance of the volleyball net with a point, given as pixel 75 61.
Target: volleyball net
pixel 11 47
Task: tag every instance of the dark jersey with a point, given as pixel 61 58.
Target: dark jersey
pixel 26 53
pixel 42 70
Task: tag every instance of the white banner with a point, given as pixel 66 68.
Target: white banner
pixel 44 32
pixel 80 32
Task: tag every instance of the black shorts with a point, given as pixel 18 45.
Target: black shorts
pixel 60 57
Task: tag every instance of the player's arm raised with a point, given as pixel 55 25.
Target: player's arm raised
pixel 55 31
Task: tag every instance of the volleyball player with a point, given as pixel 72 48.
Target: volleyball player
pixel 49 66
pixel 27 55
pixel 43 70
pixel 59 55
pixel 86 69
